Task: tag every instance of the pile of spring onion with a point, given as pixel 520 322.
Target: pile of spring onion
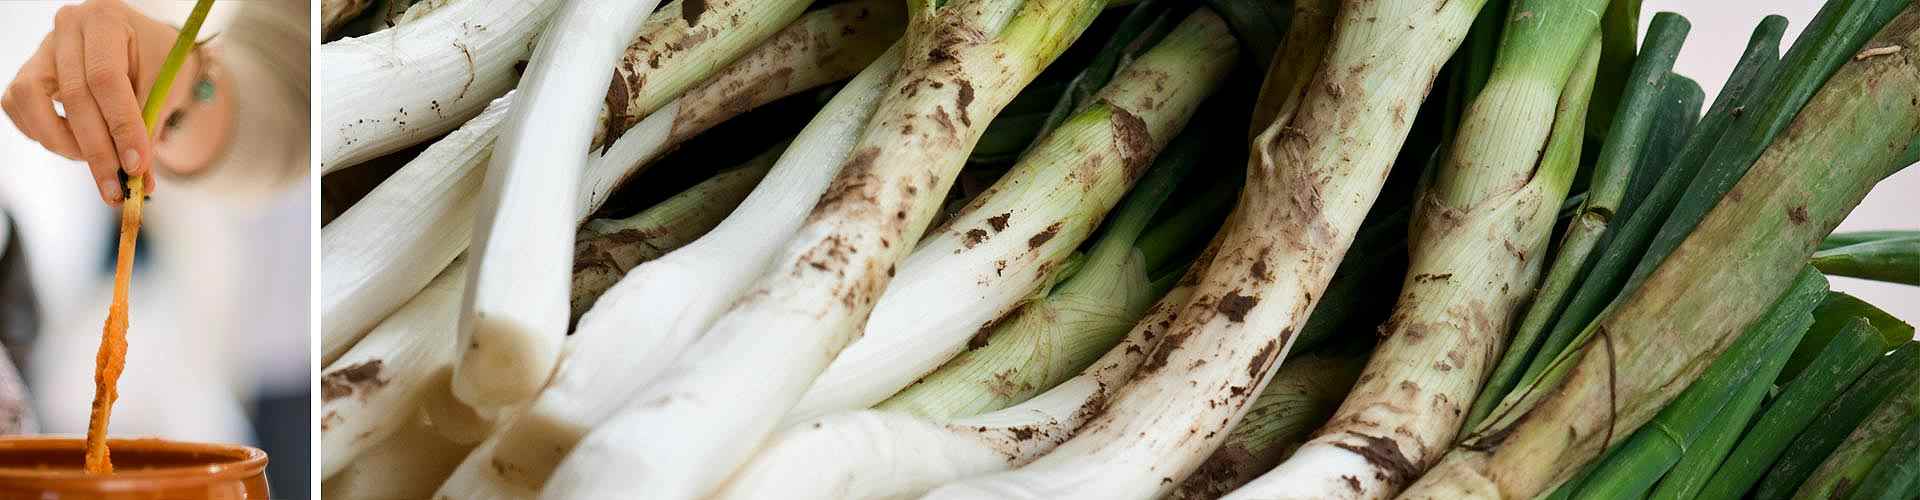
pixel 1004 249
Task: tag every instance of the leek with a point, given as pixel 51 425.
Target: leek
pixel 1006 243
pixel 1475 246
pixel 418 220
pixel 1313 174
pixel 606 359
pixel 961 64
pixel 1774 221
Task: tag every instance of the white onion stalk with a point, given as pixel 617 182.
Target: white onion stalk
pixel 1303 394
pixel 419 218
pixel 368 393
pixel 687 431
pixel 512 338
pixel 1476 240
pixel 605 249
pixel 607 359
pixel 970 274
pixel 406 465
pixel 824 46
pixel 871 454
pixel 1311 179
pixel 399 86
pixel 514 317
pixel 685 35
pixel 387 246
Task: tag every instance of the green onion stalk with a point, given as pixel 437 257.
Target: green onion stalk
pixel 1313 174
pixel 1893 260
pixel 1838 309
pixel 1627 238
pixel 1896 475
pixel 1860 466
pixel 1646 96
pixel 1619 42
pixel 1837 240
pixel 1846 356
pixel 687 431
pixel 1630 470
pixel 1896 372
pixel 1658 336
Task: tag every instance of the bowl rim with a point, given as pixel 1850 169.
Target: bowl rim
pixel 226 462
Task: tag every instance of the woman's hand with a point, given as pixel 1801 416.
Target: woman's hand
pixel 98 63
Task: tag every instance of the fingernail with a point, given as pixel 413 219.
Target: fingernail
pixel 128 159
pixel 110 191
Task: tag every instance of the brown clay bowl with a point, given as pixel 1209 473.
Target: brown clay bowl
pixel 47 467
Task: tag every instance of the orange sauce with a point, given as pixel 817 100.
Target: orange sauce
pixel 112 358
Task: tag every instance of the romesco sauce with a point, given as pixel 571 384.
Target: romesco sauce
pixel 112 358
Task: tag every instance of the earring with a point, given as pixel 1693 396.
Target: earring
pixel 203 90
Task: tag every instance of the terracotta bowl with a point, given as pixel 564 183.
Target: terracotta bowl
pixel 37 467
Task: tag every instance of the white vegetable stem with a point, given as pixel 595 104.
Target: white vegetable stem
pixel 475 479
pixel 826 45
pixel 689 429
pixel 515 313
pixel 681 45
pixel 1313 175
pixel 605 249
pixel 640 324
pixel 406 465
pixel 977 269
pixel 421 217
pixel 1302 395
pixel 1469 272
pixel 397 238
pixel 369 392
pixel 869 454
pixel 402 85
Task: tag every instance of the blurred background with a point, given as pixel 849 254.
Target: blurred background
pixel 218 343
pixel 1720 31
